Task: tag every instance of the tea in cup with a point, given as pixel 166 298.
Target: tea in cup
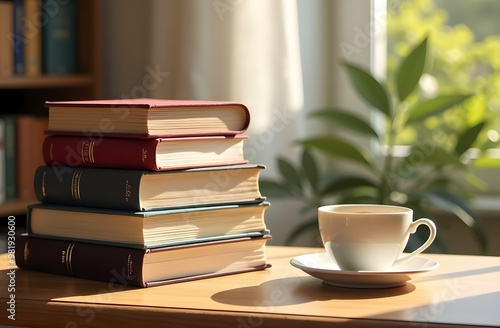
pixel 365 237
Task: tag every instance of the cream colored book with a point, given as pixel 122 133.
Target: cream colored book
pixel 146 229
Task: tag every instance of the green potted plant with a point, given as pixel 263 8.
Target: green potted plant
pixel 434 174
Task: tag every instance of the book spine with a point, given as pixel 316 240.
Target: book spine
pixel 29 138
pixel 114 265
pixel 59 37
pixel 33 38
pixel 10 157
pixel 6 31
pixel 100 152
pixel 90 187
pixel 18 37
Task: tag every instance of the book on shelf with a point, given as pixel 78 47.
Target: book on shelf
pixel 59 37
pixel 30 132
pixel 18 36
pixel 146 229
pixel 141 267
pixel 32 38
pixel 6 31
pixel 144 190
pixel 147 117
pixel 10 147
pixel 157 154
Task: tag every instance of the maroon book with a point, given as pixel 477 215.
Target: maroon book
pixel 157 154
pixel 147 117
pixel 141 267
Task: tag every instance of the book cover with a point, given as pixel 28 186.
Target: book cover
pixel 29 136
pixel 33 38
pixel 146 229
pixel 59 37
pixel 144 190
pixel 141 267
pixel 157 154
pixel 6 32
pixel 147 117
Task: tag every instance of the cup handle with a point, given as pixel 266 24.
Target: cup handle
pixel 412 229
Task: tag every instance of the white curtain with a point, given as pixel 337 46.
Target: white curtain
pixel 246 51
pixel 279 57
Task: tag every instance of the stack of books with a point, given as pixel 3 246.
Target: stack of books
pixel 145 192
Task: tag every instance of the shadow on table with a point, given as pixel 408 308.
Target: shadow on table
pixel 26 282
pixel 298 290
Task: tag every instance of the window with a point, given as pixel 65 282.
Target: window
pixel 464 43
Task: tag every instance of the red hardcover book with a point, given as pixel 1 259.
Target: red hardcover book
pixel 157 154
pixel 141 267
pixel 147 117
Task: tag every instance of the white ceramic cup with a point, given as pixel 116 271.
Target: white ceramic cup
pixel 363 237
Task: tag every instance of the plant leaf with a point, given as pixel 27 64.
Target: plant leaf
pixel 420 155
pixel 467 138
pixel 310 168
pixel 345 119
pixel 434 106
pixel 337 148
pixel 345 182
pixel 487 162
pixel 411 70
pixel 289 172
pixel 369 88
pixel 274 189
pixel 454 204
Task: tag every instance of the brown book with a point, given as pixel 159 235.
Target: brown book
pixel 6 36
pixel 33 37
pixel 141 267
pixel 147 117
pixel 29 135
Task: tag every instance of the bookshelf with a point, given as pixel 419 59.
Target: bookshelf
pixel 27 94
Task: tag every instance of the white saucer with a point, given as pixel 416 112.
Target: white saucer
pixel 322 266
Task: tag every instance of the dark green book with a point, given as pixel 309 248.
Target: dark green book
pixel 10 156
pixel 59 37
pixel 146 229
pixel 143 190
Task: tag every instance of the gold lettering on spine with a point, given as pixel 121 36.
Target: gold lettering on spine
pixel 75 185
pixel 144 154
pixel 26 253
pixel 68 258
pixel 130 268
pixel 91 152
pixel 43 184
pixel 87 151
pixel 83 150
pixel 128 190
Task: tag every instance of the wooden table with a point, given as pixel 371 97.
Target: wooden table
pixel 463 292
